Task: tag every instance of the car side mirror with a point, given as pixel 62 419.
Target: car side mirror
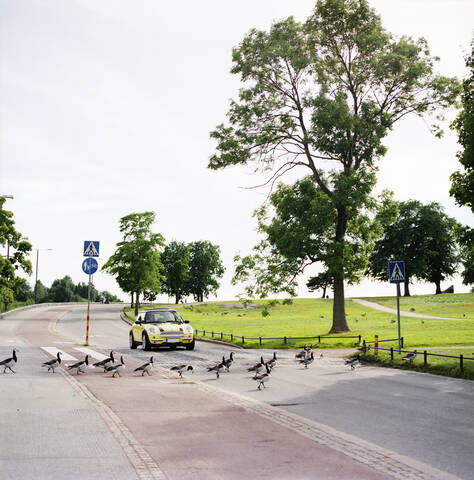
pixel 138 322
pixel 186 321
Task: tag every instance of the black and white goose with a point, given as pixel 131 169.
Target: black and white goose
pixel 229 361
pixel 80 366
pixel 116 368
pixel 272 362
pixel 308 360
pixel 257 368
pixel 104 363
pixel 409 357
pixel 182 368
pixel 9 362
pixel 352 362
pixel 145 368
pixel 54 363
pixel 218 367
pixel 304 353
pixel 263 377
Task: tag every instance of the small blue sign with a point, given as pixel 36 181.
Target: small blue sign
pixel 90 266
pixel 396 272
pixel 91 248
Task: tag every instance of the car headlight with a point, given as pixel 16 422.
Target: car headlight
pixel 152 330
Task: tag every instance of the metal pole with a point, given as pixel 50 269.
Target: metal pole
pixel 36 276
pixel 88 310
pixel 398 317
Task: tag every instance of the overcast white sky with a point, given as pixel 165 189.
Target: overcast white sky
pixel 106 108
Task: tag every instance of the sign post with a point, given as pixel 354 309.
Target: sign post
pixel 89 266
pixel 396 274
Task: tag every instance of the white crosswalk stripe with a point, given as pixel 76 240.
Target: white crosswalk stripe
pixel 92 353
pixel 54 351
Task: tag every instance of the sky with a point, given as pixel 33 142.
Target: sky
pixel 106 108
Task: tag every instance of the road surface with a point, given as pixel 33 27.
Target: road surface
pixel 323 422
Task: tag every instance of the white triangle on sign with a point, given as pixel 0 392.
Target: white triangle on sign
pixel 396 273
pixel 91 250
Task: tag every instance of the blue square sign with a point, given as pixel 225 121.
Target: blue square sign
pixel 91 248
pixel 396 272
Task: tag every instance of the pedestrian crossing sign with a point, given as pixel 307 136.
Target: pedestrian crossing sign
pixel 396 272
pixel 91 249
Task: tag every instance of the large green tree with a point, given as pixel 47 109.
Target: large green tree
pixel 423 237
pixel 176 264
pixel 300 233
pixel 205 268
pixel 16 258
pixel 462 187
pixel 321 96
pixel 136 263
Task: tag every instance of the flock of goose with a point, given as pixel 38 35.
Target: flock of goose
pixel 261 370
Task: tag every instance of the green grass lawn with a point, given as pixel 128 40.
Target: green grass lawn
pixel 313 317
pixel 460 305
pixel 436 365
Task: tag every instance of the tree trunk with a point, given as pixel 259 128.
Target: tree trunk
pixel 324 291
pixel 137 302
pixel 339 323
pixel 178 298
pixel 407 287
pixel 131 302
pixel 438 287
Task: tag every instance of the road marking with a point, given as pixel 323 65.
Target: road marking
pixel 54 351
pixel 92 353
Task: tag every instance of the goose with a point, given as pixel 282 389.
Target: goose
pixel 263 377
pixel 258 367
pixel 217 368
pixel 52 364
pixel 9 362
pixel 145 368
pixel 80 366
pixel 272 362
pixel 181 368
pixel 304 353
pixel 306 361
pixel 352 362
pixel 103 363
pixel 116 368
pixel 409 357
pixel 229 361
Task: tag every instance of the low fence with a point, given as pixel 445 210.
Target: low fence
pixel 364 348
pixel 243 338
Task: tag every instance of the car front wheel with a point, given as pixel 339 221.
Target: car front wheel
pixel 190 346
pixel 133 344
pixel 146 342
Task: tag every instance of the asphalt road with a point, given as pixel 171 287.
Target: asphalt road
pixel 424 417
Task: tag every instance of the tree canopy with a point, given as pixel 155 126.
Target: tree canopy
pixel 205 268
pixel 136 263
pixel 16 259
pixel 175 260
pixel 423 237
pixel 321 96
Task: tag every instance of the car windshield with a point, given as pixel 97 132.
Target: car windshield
pixel 163 317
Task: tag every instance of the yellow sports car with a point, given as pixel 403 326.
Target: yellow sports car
pixel 161 327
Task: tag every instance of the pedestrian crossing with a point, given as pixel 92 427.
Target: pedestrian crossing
pixel 53 351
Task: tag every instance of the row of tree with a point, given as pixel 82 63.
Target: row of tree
pixel 144 264
pixel 425 237
pixel 63 290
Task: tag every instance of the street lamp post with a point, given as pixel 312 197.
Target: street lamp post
pixel 37 258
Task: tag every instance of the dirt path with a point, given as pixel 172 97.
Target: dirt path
pixel 376 306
